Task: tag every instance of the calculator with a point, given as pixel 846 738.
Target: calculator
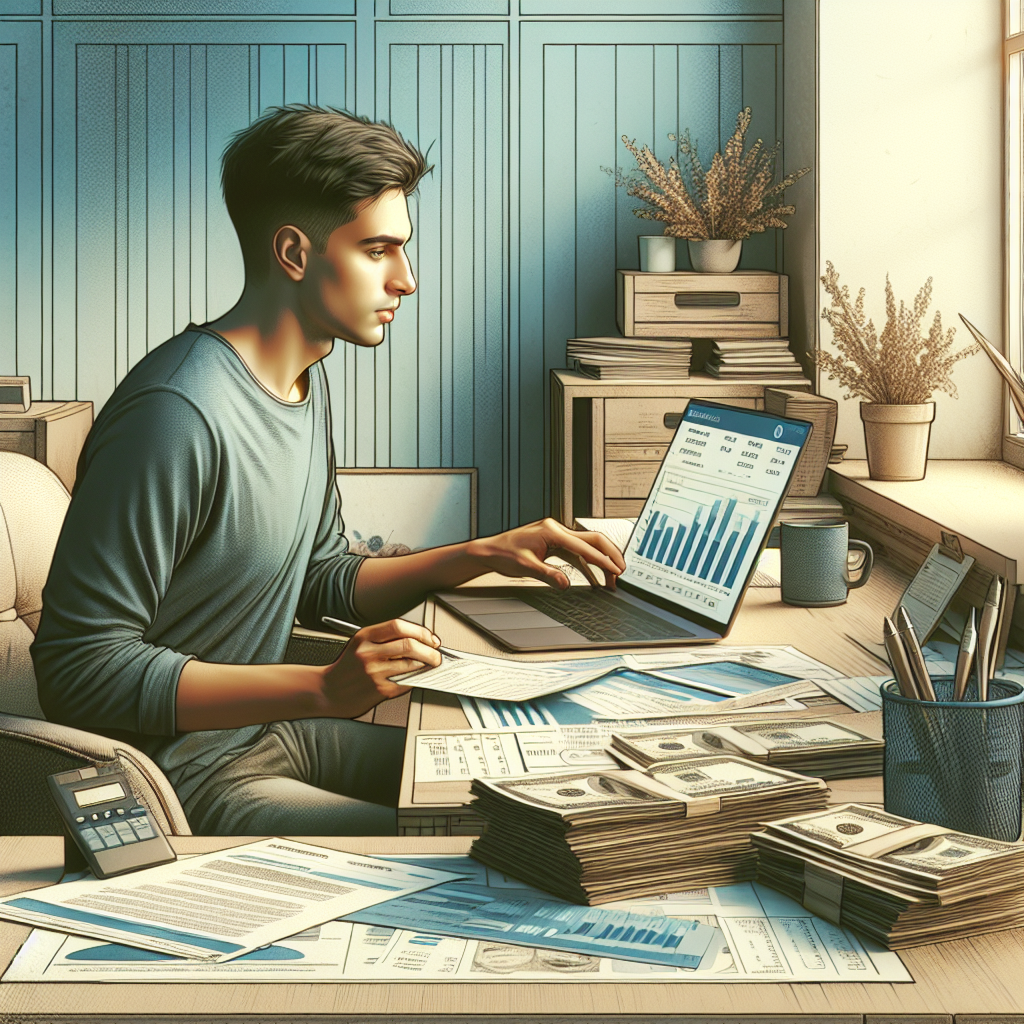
pixel 112 828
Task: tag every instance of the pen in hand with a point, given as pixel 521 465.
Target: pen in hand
pixel 351 628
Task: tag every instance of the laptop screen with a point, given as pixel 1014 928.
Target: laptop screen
pixel 712 503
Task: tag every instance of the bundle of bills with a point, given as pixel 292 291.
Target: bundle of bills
pixel 897 881
pixel 592 837
pixel 811 747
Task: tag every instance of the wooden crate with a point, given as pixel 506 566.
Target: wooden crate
pixel 743 304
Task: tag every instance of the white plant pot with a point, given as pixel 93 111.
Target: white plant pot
pixel 715 255
pixel 896 438
pixel 657 254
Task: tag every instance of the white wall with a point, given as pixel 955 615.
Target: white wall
pixel 910 184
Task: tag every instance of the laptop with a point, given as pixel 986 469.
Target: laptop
pixel 690 556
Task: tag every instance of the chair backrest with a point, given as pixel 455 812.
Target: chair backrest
pixel 33 503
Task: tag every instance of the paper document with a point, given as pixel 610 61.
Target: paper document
pixel 759 935
pixel 494 678
pixel 665 684
pixel 221 905
pixel 461 755
pixel 928 594
pixel 529 917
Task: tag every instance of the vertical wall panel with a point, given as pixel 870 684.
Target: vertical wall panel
pixel 9 203
pixel 22 335
pixel 446 351
pixel 159 194
pixel 759 89
pixel 94 238
pixel 142 243
pixel 136 201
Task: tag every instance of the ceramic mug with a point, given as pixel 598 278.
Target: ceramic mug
pixel 815 562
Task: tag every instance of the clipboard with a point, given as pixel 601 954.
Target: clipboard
pixel 930 592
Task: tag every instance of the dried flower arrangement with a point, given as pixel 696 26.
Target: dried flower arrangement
pixel 736 197
pixel 900 367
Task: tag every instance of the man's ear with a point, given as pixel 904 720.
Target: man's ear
pixel 291 250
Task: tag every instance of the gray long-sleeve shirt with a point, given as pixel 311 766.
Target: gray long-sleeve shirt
pixel 204 519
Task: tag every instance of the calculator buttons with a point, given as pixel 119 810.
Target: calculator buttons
pixel 106 814
pixel 124 830
pixel 120 810
pixel 92 840
pixel 95 817
pixel 108 835
pixel 80 819
pixel 143 828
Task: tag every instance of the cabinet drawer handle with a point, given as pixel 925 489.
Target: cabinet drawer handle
pixel 707 300
pixel 672 420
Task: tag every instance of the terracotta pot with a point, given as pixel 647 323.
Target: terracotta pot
pixel 896 437
pixel 715 255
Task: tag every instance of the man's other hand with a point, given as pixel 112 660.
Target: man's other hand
pixel 521 552
pixel 361 677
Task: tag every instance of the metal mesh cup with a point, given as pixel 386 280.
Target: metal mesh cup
pixel 956 763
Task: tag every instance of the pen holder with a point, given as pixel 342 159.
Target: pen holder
pixel 956 763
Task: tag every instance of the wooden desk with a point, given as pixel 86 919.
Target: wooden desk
pixel 971 981
pixel 822 633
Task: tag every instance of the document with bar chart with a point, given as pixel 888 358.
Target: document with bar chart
pixel 711 506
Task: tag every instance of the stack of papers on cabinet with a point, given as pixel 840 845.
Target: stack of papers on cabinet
pixel 812 746
pixel 760 358
pixel 898 881
pixel 630 358
pixel 592 837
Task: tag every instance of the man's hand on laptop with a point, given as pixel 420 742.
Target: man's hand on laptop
pixel 361 677
pixel 521 552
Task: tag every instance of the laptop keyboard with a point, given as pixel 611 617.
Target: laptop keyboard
pixel 600 617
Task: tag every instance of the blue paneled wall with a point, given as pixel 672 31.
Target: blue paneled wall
pixel 111 126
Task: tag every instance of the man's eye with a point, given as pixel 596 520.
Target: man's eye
pixel 377 254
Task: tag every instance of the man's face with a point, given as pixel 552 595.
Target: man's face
pixel 358 281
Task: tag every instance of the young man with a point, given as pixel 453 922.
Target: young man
pixel 205 516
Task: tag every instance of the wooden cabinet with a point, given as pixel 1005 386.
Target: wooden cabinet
pixel 52 432
pixel 608 437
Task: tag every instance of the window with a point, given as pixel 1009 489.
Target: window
pixel 1013 444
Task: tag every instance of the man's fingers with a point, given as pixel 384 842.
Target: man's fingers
pixel 395 629
pixel 404 649
pixel 595 548
pixel 538 570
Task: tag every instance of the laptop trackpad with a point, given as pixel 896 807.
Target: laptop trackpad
pixel 519 624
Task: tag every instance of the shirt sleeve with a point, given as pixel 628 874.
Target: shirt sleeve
pixel 329 586
pixel 149 479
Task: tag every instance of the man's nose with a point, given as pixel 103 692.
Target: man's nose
pixel 404 282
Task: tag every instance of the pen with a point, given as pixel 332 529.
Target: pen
pixel 968 644
pixel 351 627
pixel 908 636
pixel 898 660
pixel 986 635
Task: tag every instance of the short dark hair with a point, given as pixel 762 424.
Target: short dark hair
pixel 311 167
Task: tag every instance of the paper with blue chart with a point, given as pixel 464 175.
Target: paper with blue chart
pixel 757 935
pixel 661 685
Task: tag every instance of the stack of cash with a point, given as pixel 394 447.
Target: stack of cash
pixel 811 747
pixel 895 880
pixel 592 837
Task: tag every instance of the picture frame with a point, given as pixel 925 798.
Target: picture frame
pixel 395 511
pixel 15 394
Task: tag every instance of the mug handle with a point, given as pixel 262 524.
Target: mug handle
pixel 865 569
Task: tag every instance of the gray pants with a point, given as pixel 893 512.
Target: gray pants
pixel 311 777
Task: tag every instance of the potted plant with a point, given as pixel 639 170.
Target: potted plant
pixel 896 373
pixel 713 209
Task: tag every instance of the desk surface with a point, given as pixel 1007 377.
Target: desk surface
pixel 974 979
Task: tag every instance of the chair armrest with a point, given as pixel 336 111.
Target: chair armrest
pixel 31 749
